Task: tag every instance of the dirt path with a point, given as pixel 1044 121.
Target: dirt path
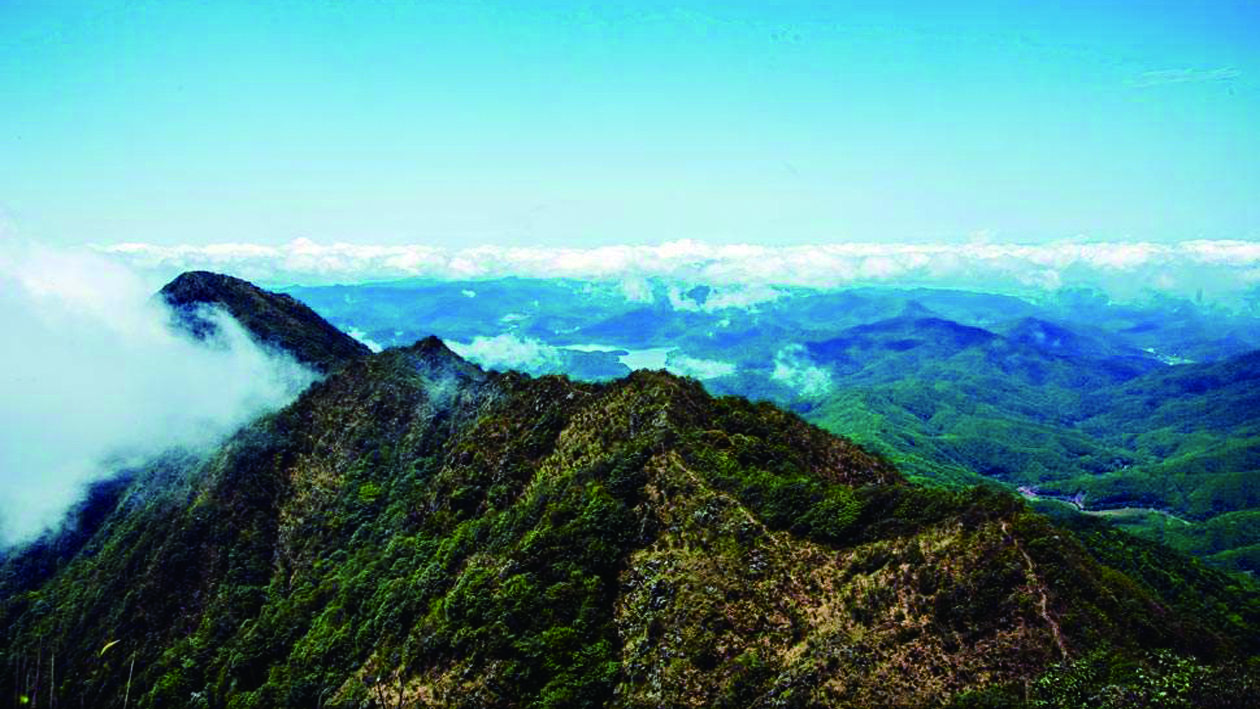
pixel 1043 600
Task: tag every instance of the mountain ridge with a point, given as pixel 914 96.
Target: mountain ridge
pixel 274 319
pixel 416 531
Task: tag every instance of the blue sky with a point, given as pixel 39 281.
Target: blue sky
pixel 589 124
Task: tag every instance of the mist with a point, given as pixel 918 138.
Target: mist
pixel 92 372
pixel 507 351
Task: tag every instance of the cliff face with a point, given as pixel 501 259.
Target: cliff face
pixel 414 531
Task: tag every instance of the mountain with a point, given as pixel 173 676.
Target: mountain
pixel 1193 436
pixel 1065 340
pixel 416 531
pixel 1176 330
pixel 273 319
pixel 1172 453
pixel 950 402
pixel 902 334
pixel 1032 352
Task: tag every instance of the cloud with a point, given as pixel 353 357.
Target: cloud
pixel 507 351
pixel 1164 77
pixel 698 368
pixel 741 274
pixel 794 368
pixel 744 297
pixel 90 371
pixel 636 289
pixel 739 296
pixel 362 337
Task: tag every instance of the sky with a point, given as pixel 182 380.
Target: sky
pixel 588 125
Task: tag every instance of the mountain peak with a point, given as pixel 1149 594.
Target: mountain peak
pixel 204 285
pixel 913 309
pixel 432 345
pixel 273 319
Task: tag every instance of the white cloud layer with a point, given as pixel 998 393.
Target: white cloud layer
pixel 363 337
pixel 507 351
pixel 699 368
pixel 793 367
pixel 90 371
pixel 739 296
pixel 1223 269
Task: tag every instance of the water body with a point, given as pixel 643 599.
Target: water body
pixel 651 358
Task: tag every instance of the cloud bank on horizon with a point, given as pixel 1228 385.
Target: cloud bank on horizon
pixel 93 379
pixel 1222 270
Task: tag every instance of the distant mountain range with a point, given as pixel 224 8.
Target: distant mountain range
pixel 418 531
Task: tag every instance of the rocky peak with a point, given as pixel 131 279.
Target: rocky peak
pixel 273 319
